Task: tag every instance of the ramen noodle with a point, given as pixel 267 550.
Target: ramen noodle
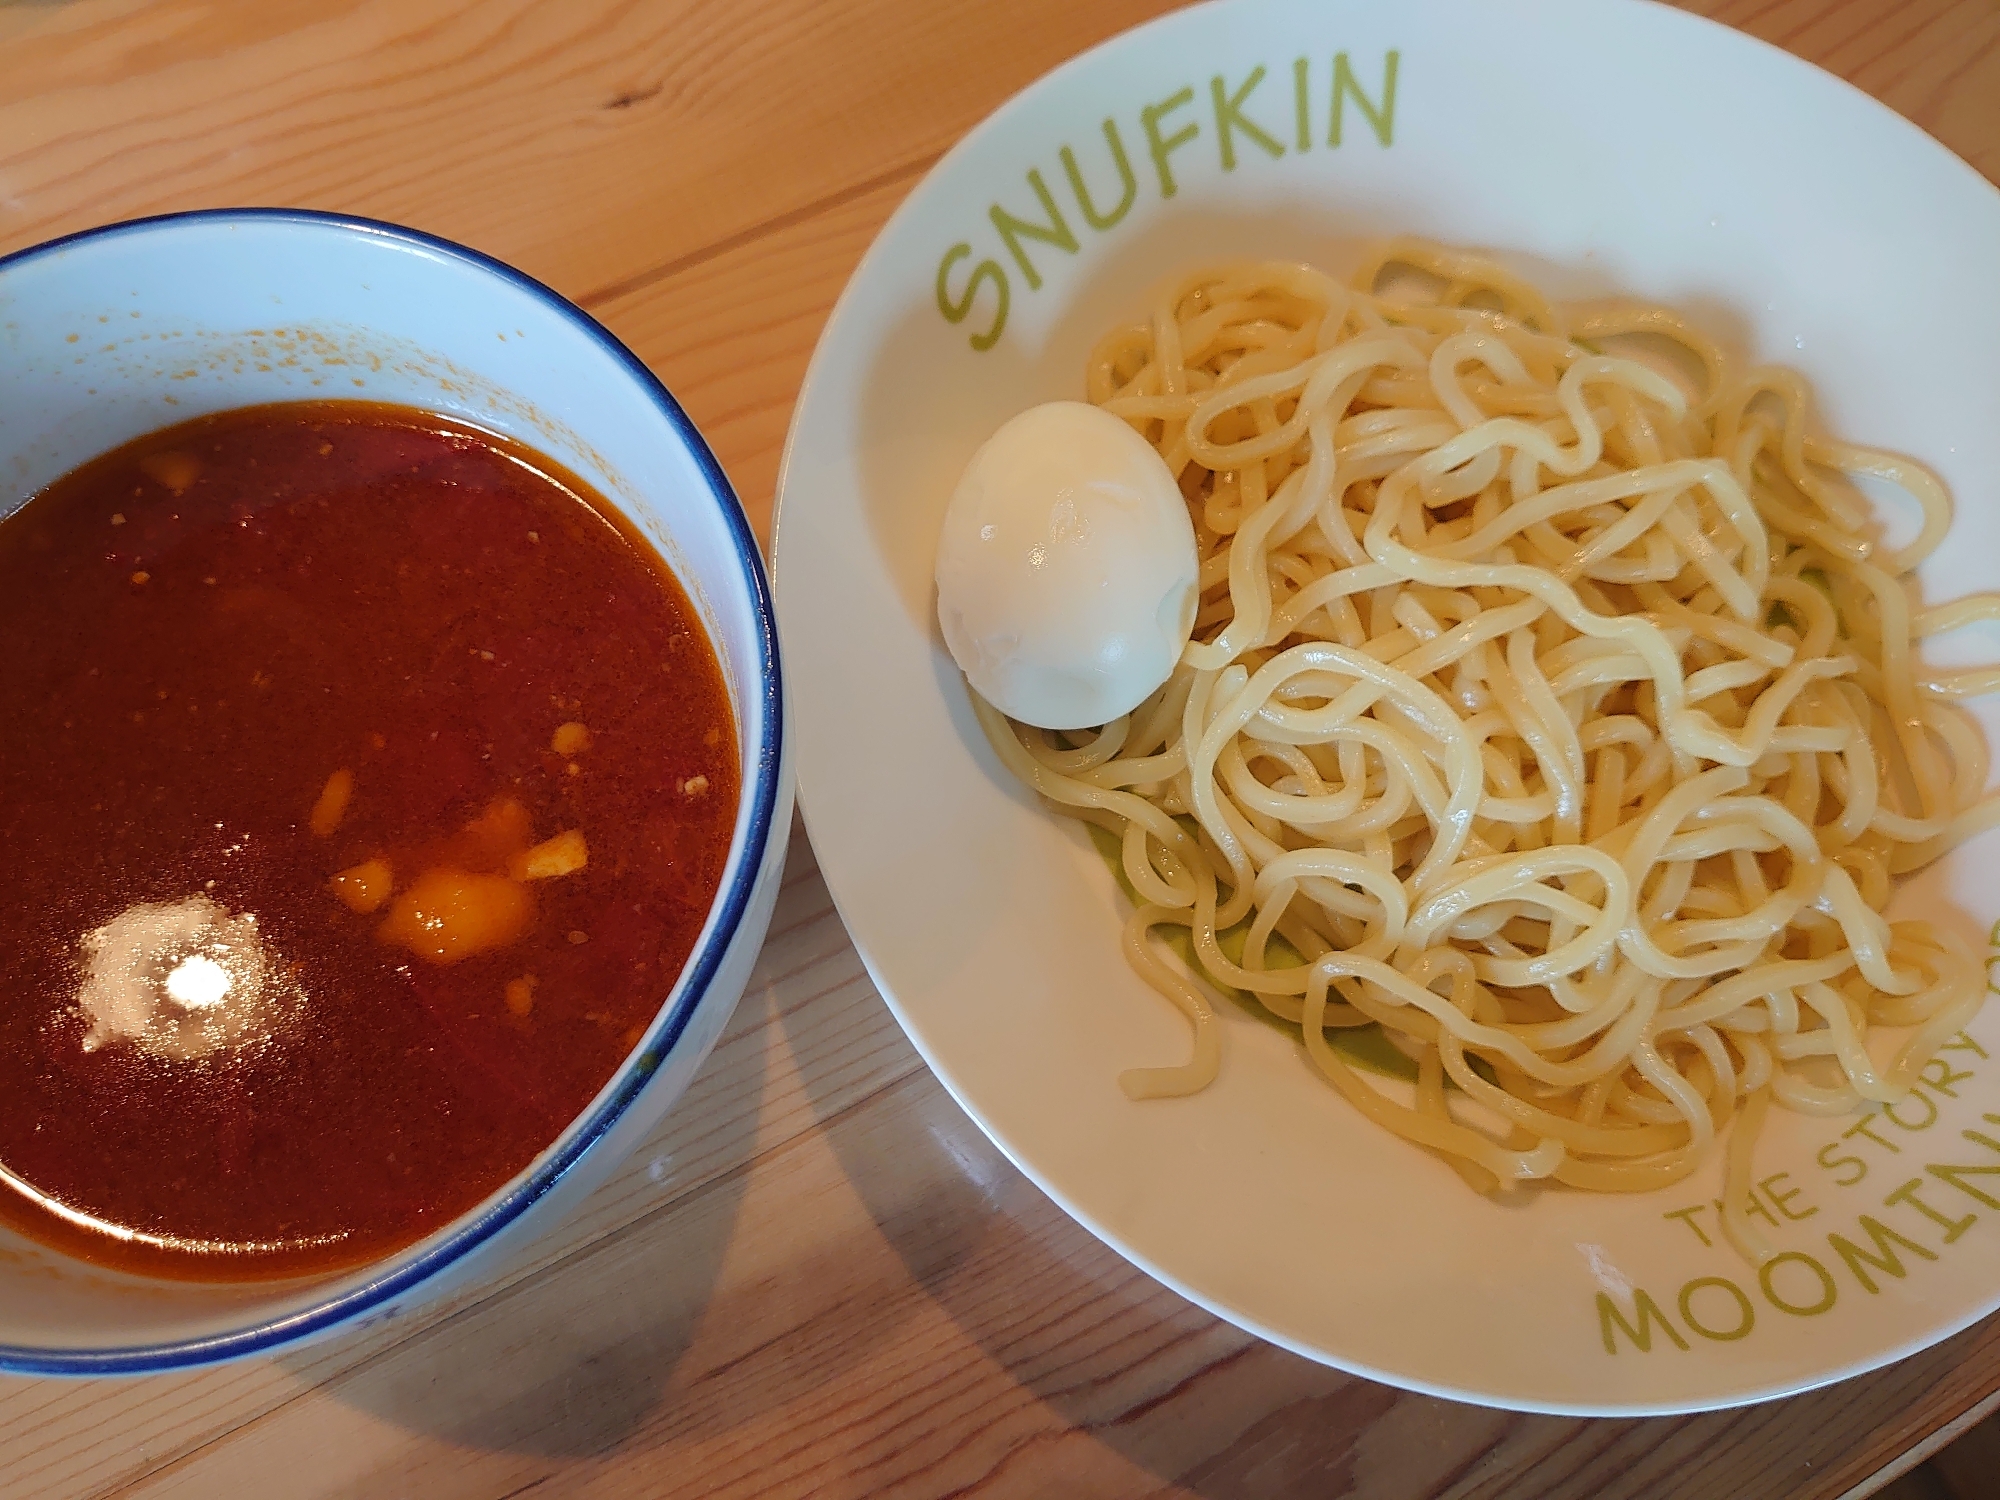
pixel 1560 720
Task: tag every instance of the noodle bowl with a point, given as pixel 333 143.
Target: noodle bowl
pixel 1562 723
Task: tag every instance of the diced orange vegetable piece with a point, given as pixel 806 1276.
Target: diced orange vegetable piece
pixel 521 994
pixel 448 914
pixel 551 859
pixel 366 886
pixel 571 739
pixel 332 804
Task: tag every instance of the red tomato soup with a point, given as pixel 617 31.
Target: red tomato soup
pixel 363 787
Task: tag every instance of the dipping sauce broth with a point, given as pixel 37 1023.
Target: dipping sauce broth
pixel 364 784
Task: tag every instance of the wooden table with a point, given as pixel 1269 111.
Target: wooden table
pixel 818 1279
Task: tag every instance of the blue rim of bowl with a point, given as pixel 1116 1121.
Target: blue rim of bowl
pixel 732 902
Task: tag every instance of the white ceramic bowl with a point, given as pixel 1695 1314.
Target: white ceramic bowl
pixel 120 331
pixel 1597 146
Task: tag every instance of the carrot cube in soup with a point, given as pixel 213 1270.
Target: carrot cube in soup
pixel 332 804
pixel 366 886
pixel 521 994
pixel 449 914
pixel 551 859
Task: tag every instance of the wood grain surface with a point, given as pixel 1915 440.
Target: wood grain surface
pixel 818 1278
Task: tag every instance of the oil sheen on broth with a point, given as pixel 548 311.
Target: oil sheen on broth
pixel 363 787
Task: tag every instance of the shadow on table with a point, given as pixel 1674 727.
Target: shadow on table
pixel 1200 1407
pixel 577 1356
pixel 536 1370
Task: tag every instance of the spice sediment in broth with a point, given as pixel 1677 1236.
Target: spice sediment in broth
pixel 363 788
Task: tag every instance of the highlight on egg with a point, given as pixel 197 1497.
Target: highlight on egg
pixel 1067 575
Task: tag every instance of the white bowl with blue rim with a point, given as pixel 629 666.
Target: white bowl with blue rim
pixel 276 305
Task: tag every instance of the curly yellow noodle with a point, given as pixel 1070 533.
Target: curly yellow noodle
pixel 1568 725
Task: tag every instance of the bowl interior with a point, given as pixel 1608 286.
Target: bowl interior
pixel 124 331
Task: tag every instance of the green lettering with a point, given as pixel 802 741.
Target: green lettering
pixel 1752 1204
pixel 1884 1258
pixel 1746 1314
pixel 956 311
pixel 1301 108
pixel 1056 232
pixel 1162 147
pixel 1944 1078
pixel 1767 1276
pixel 1980 1138
pixel 1780 1199
pixel 1954 1176
pixel 1688 1214
pixel 1962 1042
pixel 1128 184
pixel 1382 117
pixel 1907 1193
pixel 1838 1162
pixel 1646 1310
pixel 1860 1127
pixel 1229 118
pixel 1930 1110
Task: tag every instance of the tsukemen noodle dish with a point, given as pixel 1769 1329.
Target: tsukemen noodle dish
pixel 1526 687
pixel 365 781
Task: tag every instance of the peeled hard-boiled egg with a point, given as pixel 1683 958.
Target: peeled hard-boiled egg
pixel 1067 577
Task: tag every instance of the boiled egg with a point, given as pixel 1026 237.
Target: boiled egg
pixel 1066 573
